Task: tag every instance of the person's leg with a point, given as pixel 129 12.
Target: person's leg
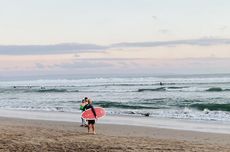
pixel 85 124
pixel 89 125
pixel 82 122
pixel 93 127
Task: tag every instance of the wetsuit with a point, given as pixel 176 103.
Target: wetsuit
pixel 88 106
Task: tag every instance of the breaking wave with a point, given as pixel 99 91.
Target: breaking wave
pixel 156 89
pixel 217 89
pixel 212 107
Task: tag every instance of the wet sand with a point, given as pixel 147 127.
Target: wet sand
pixel 40 135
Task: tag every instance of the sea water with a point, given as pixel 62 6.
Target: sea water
pixel 194 97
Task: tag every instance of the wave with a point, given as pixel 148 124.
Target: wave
pixel 183 89
pixel 51 90
pixel 217 89
pixel 156 84
pixel 156 89
pixel 214 89
pixel 160 89
pixel 125 105
pixel 212 107
pixel 177 87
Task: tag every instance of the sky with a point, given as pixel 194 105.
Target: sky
pixel 114 37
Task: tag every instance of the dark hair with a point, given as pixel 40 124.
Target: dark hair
pixel 86 98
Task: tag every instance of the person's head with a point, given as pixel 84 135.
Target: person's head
pixel 90 101
pixel 83 101
pixel 86 100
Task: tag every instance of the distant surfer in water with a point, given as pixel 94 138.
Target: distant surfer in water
pixel 91 123
pixel 83 103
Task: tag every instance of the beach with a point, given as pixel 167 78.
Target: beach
pixel 184 114
pixel 43 135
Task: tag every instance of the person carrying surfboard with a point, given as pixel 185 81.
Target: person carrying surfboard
pixel 91 123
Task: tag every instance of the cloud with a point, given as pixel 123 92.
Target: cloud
pixel 223 28
pixel 85 64
pixel 164 31
pixel 48 49
pixel 116 66
pixel 39 65
pixel 64 48
pixel 154 17
pixel 147 66
pixel 197 42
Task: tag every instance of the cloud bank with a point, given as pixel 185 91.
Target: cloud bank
pixel 197 42
pixel 48 49
pixel 77 47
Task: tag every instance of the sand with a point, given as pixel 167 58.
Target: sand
pixel 40 135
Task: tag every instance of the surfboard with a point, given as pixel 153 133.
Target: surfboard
pixel 88 114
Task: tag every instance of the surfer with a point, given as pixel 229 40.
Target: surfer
pixel 83 103
pixel 91 123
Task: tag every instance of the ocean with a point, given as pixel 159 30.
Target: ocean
pixel 192 97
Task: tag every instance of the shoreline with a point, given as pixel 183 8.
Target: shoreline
pixel 175 124
pixel 44 135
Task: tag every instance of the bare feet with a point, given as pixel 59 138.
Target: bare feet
pixel 92 133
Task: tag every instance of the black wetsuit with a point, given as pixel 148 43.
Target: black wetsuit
pixel 88 106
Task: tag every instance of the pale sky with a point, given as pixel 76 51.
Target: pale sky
pixel 51 37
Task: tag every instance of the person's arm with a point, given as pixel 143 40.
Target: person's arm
pixel 93 110
pixel 83 109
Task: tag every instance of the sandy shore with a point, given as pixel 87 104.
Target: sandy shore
pixel 38 135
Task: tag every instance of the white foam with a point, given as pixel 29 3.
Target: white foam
pixel 201 126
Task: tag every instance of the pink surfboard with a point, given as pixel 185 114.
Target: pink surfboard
pixel 88 114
